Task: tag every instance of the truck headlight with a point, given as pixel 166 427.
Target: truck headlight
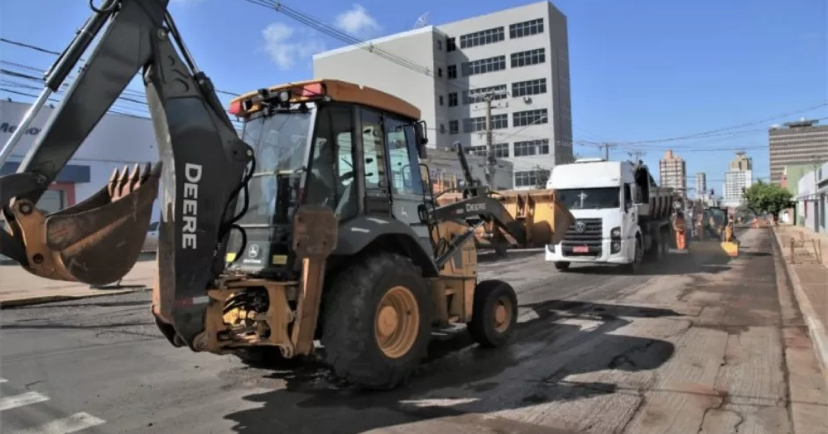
pixel 615 233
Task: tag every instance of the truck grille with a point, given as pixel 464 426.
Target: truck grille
pixel 591 237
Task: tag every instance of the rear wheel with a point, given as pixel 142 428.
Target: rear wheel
pixel 377 321
pixel 494 315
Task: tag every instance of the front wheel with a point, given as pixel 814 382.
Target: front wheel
pixel 377 321
pixel 562 266
pixel 638 257
pixel 494 313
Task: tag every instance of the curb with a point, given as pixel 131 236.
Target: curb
pixel 816 329
pixel 28 301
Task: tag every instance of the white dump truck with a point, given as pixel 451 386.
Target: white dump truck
pixel 620 213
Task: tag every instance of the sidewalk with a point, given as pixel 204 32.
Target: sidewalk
pixel 809 277
pixel 18 287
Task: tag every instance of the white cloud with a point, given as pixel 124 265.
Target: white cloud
pixel 357 22
pixel 285 45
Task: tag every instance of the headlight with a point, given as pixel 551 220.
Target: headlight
pixel 615 233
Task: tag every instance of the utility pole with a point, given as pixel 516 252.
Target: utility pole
pixel 491 161
pixel 636 155
pixel 607 147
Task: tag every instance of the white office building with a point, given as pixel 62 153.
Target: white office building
pixel 735 181
pixel 518 57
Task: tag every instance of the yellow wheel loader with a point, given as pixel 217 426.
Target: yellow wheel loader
pixel 318 223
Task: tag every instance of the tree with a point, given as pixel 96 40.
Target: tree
pixel 770 199
pixel 541 176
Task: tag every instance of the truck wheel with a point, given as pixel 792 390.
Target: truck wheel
pixel 266 357
pixel 633 266
pixel 377 321
pixel 500 249
pixel 562 266
pixel 494 315
pixel 665 244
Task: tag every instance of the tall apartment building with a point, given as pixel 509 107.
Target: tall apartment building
pixel 738 177
pixel 701 185
pixel 741 162
pixel 672 171
pixel 801 142
pixel 517 57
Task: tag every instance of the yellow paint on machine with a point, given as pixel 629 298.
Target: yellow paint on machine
pixel 275 259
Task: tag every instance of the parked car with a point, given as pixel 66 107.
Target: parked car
pixel 151 242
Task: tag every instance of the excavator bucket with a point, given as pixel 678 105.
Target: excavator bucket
pixel 544 220
pixel 96 241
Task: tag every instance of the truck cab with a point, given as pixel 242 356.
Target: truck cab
pixel 619 213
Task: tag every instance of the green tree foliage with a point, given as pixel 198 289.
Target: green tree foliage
pixel 770 199
pixel 541 176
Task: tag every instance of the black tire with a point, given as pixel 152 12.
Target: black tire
pixel 633 266
pixel 665 243
pixel 562 266
pixel 349 338
pixel 266 357
pixel 501 248
pixel 484 328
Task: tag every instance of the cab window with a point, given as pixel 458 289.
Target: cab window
pixel 404 163
pixel 373 145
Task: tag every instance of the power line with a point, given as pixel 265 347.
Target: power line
pixel 715 132
pixel 57 53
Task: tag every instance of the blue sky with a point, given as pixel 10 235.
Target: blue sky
pixel 641 70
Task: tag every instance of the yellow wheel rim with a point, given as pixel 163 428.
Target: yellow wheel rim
pixel 397 322
pixel 502 315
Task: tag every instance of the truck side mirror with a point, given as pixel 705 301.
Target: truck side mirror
pixel 421 137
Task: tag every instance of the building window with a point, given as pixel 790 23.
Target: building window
pixel 476 95
pixel 452 99
pixel 532 147
pixel 442 128
pixel 530 117
pixel 526 58
pixel 526 28
pixel 440 72
pixel 480 151
pixel 440 45
pixel 452 71
pixel 530 87
pixel 454 127
pixel 441 99
pixel 482 37
pixel 472 125
pixel 451 44
pixel 483 66
pixel 530 178
pixel 501 150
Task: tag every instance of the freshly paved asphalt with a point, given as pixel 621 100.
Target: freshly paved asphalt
pixel 693 344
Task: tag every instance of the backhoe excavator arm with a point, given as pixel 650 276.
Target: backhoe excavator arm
pixel 203 167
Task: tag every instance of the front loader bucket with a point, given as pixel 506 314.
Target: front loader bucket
pixel 97 241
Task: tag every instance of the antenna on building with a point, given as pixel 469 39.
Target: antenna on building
pixel 422 21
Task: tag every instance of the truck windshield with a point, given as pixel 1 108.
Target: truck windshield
pixel 280 143
pixel 590 198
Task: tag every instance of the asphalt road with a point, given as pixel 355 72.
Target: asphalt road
pixel 694 344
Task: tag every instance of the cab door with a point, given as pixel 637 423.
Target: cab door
pixel 404 174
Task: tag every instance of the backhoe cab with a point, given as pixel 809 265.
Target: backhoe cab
pixel 342 241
